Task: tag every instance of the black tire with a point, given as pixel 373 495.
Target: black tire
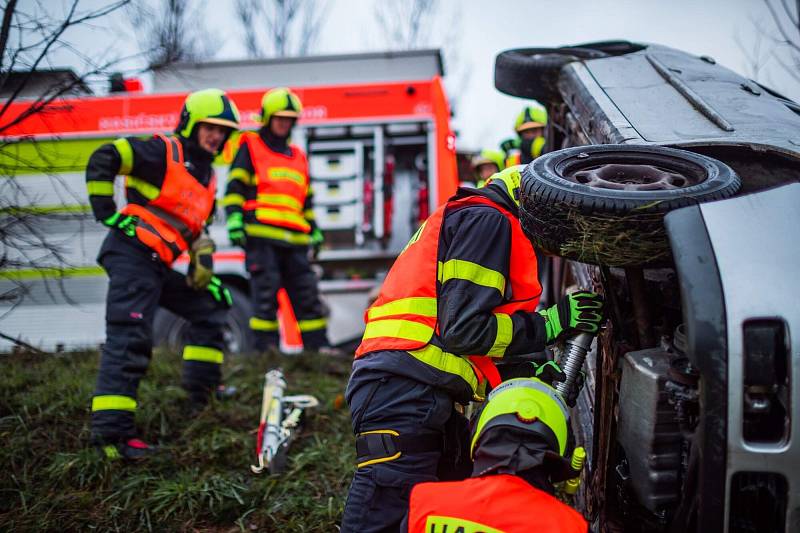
pixel 605 204
pixel 533 72
pixel 613 48
pixel 169 329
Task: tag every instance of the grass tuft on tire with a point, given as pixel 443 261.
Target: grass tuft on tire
pixel 605 204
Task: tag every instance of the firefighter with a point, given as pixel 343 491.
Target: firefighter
pixel 463 291
pixel 487 163
pixel 170 188
pixel 529 126
pixel 268 203
pixel 518 446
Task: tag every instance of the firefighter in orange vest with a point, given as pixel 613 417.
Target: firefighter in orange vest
pixel 462 292
pixel 529 125
pixel 268 203
pixel 170 189
pixel 518 446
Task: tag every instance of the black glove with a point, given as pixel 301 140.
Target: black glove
pixel 577 312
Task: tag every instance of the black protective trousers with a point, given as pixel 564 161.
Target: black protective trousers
pixel 271 267
pixel 138 283
pixel 378 497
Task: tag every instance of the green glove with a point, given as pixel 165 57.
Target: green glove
pixel 317 238
pixel 579 311
pixel 125 223
pixel 220 293
pixel 201 263
pixel 236 230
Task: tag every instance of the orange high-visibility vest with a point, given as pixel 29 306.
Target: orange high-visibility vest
pixel 169 223
pixel 404 317
pixel 281 187
pixel 489 504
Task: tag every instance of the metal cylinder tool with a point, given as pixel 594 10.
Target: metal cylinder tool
pixel 574 355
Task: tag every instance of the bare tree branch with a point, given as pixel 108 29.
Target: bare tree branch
pixel 290 26
pixel 172 31
pixel 30 35
pixel 6 28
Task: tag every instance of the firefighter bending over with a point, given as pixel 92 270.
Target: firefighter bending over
pixel 268 203
pixel 170 188
pixel 464 291
pixel 518 446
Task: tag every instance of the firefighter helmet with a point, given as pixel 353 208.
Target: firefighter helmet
pixel 280 102
pixel 488 156
pixel 528 404
pixel 511 179
pixel 522 426
pixel 533 116
pixel 209 105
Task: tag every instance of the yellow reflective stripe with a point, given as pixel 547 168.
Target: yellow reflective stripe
pixel 109 402
pixel 286 174
pixel 505 330
pixel 242 175
pixel 278 234
pixel 469 271
pixel 202 353
pixel 259 324
pixel 125 155
pixel 312 324
pixel 148 190
pixel 399 329
pixel 309 214
pixel 422 306
pixel 232 199
pixel 280 199
pixel 100 188
pixel 282 216
pixel 447 362
pixel 449 523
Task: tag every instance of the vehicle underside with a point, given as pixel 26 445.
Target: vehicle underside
pixel 674 413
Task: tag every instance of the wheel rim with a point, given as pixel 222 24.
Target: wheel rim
pixel 633 177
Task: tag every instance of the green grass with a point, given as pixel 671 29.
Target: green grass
pixel 51 480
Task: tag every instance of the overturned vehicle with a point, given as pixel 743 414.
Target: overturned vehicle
pixel 671 186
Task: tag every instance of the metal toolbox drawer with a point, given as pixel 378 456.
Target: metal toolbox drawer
pixel 335 191
pixel 337 216
pixel 332 165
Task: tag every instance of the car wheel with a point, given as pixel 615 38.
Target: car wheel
pixel 533 72
pixel 605 204
pixel 169 329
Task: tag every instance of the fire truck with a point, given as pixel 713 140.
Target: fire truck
pixel 381 158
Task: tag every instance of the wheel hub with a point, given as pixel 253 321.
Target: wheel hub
pixel 630 177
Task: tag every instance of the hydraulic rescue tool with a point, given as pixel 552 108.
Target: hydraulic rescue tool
pixel 571 361
pixel 280 422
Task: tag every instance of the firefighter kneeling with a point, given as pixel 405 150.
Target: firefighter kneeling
pixel 518 446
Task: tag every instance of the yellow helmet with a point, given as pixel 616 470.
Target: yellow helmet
pixel 489 156
pixel 280 102
pixel 533 116
pixel 511 180
pixel 209 105
pixel 524 424
pixel 520 403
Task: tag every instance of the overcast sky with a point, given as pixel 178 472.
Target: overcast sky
pixel 476 30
